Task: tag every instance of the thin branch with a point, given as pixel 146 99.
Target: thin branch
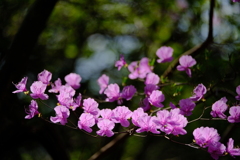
pixel 120 138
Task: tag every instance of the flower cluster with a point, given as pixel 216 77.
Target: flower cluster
pixel 207 137
pixel 152 116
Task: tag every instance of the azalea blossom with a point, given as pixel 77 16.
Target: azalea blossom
pixel 139 70
pixel 156 97
pixel 165 54
pixel 106 126
pixel 103 83
pixel 186 62
pixel 121 62
pixel 219 107
pixel 198 92
pixel 62 113
pixel 21 86
pixel 38 88
pixel 32 110
pixel 45 76
pixel 205 136
pixel 73 80
pixel 231 150
pixel 238 92
pixel 86 121
pixel 234 114
pixel 186 106
pixel 121 114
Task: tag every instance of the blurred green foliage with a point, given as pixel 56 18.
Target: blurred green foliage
pixel 87 37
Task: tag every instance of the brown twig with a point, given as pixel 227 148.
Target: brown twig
pixel 99 154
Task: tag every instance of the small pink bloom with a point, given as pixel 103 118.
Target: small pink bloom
pixel 216 150
pixel 238 92
pixel 139 70
pixel 128 92
pixel 103 83
pixel 121 62
pixel 91 106
pixel 38 88
pixel 21 86
pixel 112 92
pixel 56 86
pixel 33 110
pixel 234 114
pixel 121 114
pixel 156 98
pixel 205 136
pixel 152 78
pixel 106 114
pixel 145 105
pixel 106 126
pixel 186 62
pixel 45 76
pixel 62 113
pixel 198 92
pixel 73 80
pixel 165 54
pixel 86 121
pixel 231 150
pixel 136 115
pixel 186 106
pixel 219 107
pixel 146 124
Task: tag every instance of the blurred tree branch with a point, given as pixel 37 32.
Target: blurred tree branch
pixel 196 49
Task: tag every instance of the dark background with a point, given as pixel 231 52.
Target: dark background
pixel 87 37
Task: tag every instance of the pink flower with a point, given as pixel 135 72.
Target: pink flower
pixel 106 114
pixel 106 126
pixel 238 92
pixel 128 92
pixel 146 124
pixel 152 78
pixel 21 86
pixel 56 86
pixel 68 89
pixel 156 98
pixel 86 121
pixel 185 63
pixel 38 88
pixel 136 115
pixel 73 80
pixel 165 54
pixel 171 122
pixel 205 136
pixel 145 105
pixel 236 0
pixel 186 106
pixel 45 76
pixel 149 88
pixel 91 106
pixel 121 62
pixel 62 113
pixel 219 107
pixel 231 150
pixel 103 83
pixel 216 150
pixel 139 70
pixel 33 110
pixel 234 114
pixel 121 114
pixel 113 93
pixel 199 91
